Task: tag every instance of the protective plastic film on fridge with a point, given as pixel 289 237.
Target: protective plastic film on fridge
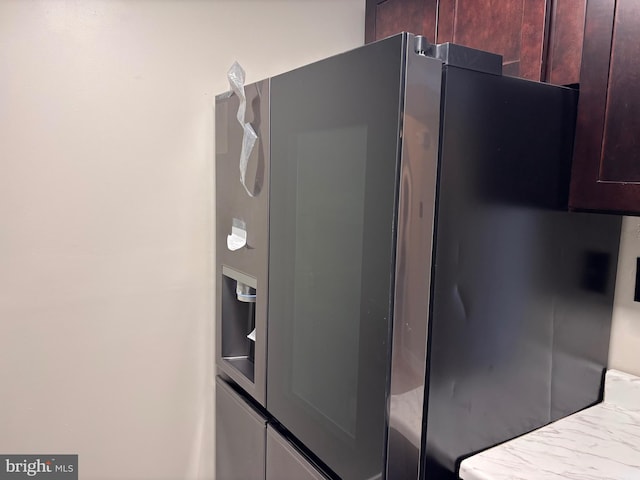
pixel 399 283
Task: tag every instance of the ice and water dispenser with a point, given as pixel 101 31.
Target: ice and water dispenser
pixel 239 321
pixel 242 202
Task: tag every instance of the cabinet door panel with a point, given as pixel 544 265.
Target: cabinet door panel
pixel 388 17
pixel 566 36
pixel 621 146
pixel 514 29
pixel 605 174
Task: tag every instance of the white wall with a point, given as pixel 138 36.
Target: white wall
pixel 624 350
pixel 106 216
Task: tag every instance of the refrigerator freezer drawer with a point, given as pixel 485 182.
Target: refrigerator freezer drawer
pixel 284 462
pixel 240 436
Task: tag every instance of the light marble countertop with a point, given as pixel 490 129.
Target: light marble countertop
pixel 599 443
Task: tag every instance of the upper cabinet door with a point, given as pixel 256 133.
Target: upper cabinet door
pixel 606 170
pixel 538 39
pixel 514 29
pixel 388 17
pixel 565 27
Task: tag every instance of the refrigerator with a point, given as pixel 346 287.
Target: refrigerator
pixel 399 281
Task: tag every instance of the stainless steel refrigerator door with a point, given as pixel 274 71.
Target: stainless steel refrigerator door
pixel 334 172
pixel 238 356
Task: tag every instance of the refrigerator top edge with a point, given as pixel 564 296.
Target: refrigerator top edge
pixel 448 53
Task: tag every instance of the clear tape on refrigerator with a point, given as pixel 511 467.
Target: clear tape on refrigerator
pixel 236 76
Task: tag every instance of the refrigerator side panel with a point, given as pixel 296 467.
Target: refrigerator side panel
pixel 505 156
pixel 583 309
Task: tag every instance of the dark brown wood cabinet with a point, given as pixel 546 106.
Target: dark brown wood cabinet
pixel 538 39
pixel 388 17
pixel 513 28
pixel 606 164
pixel 564 41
